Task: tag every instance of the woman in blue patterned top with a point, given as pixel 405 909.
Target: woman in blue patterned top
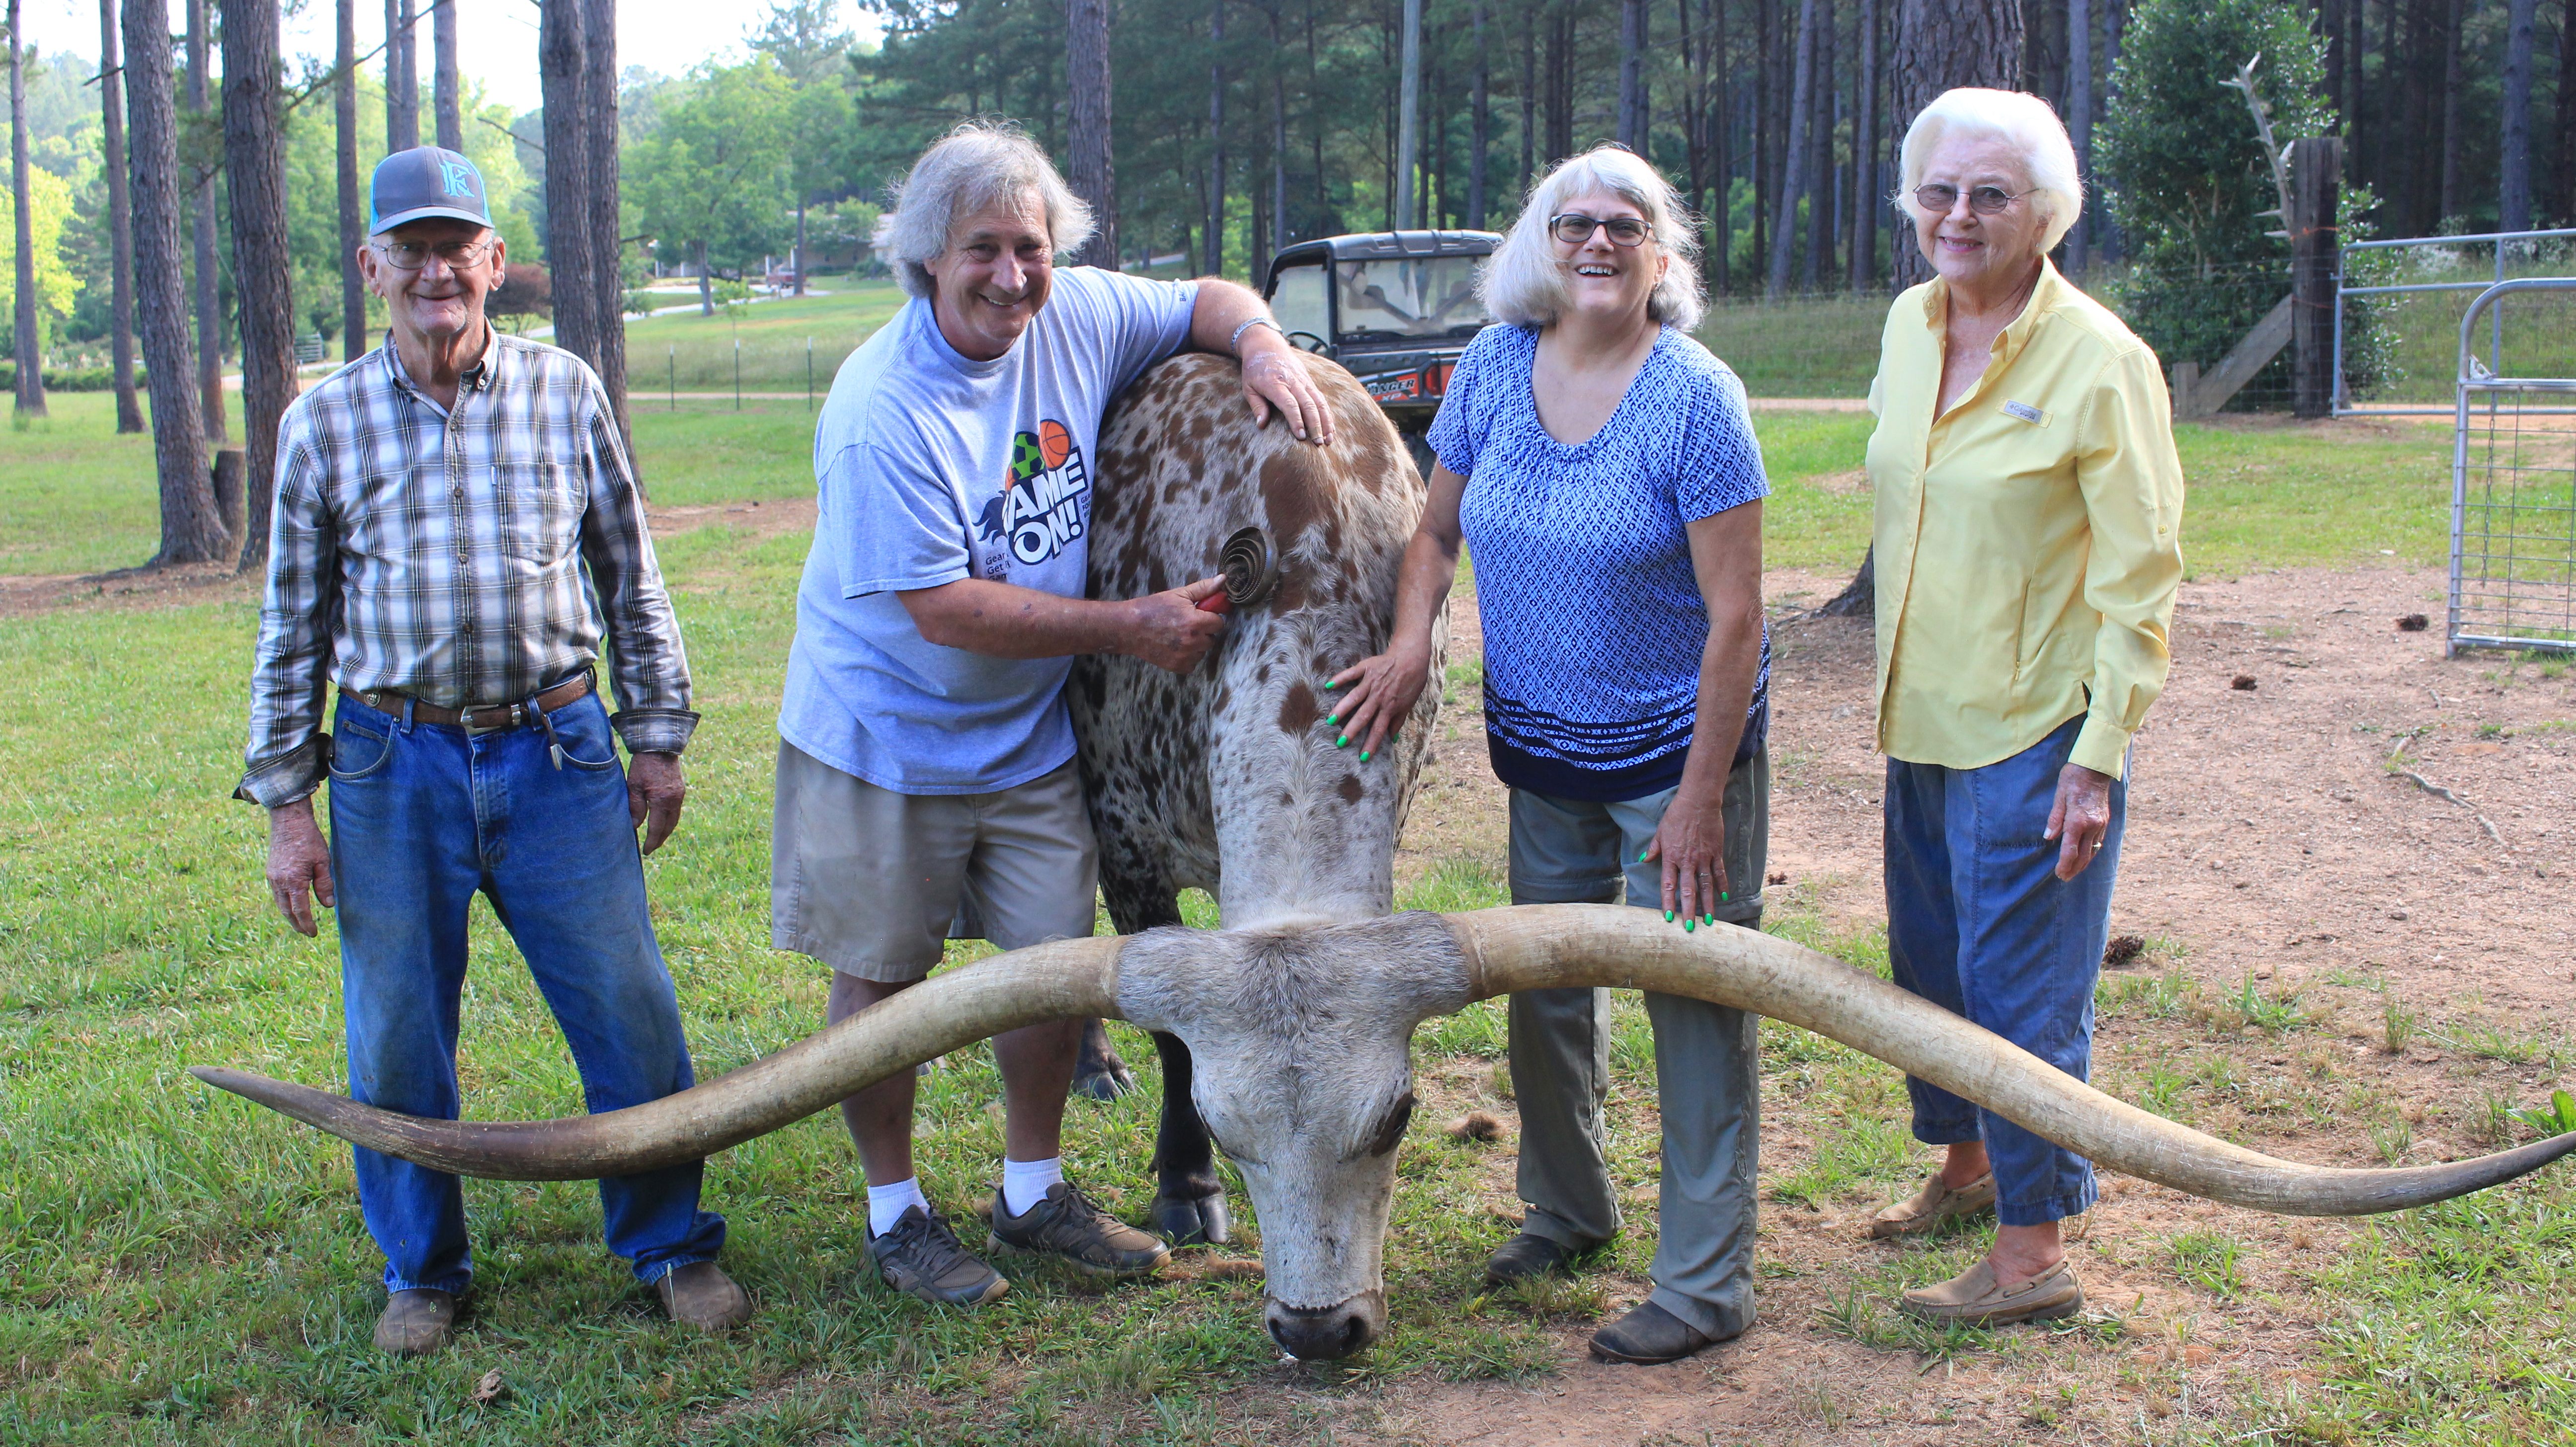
pixel 1602 467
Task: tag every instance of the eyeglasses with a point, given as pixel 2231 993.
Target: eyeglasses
pixel 413 255
pixel 1984 200
pixel 1574 228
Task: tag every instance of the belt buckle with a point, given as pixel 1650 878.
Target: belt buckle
pixel 509 719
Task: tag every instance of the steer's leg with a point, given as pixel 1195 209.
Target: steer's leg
pixel 1189 1198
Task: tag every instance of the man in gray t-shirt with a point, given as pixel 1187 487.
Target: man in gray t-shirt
pixel 925 761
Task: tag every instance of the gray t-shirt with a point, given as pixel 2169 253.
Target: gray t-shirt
pixel 930 468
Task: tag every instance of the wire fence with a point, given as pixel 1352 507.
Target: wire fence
pixel 2415 291
pixel 2513 488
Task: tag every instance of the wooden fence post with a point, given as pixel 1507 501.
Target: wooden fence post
pixel 2316 179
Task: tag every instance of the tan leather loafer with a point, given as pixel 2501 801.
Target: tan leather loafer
pixel 701 1295
pixel 1932 1205
pixel 416 1322
pixel 1975 1298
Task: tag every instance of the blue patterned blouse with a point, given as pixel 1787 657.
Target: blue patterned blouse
pixel 1594 624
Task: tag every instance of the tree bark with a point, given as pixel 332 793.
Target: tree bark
pixel 1408 117
pixel 1722 136
pixel 2079 118
pixel 1632 75
pixel 2513 191
pixel 353 216
pixel 444 100
pixel 2453 41
pixel 201 222
pixel 1529 98
pixel 1095 174
pixel 2566 214
pixel 402 78
pixel 1864 252
pixel 29 350
pixel 191 530
pixel 1795 184
pixel 568 233
pixel 120 219
pixel 599 116
pixel 1940 45
pixel 1216 140
pixel 1817 257
pixel 263 259
pixel 1481 121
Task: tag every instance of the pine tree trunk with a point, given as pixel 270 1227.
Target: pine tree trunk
pixel 562 82
pixel 191 531
pixel 120 218
pixel 1632 75
pixel 1408 118
pixel 1816 260
pixel 2513 191
pixel 2079 115
pixel 1864 257
pixel 201 227
pixel 1216 141
pixel 263 260
pixel 29 350
pixel 443 78
pixel 800 247
pixel 2452 43
pixel 353 216
pixel 599 116
pixel 402 78
pixel 1481 122
pixel 1940 45
pixel 2566 214
pixel 1095 174
pixel 1797 182
pixel 706 280
pixel 1722 148
pixel 1529 99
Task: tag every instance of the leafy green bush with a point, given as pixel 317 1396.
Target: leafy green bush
pixel 75 379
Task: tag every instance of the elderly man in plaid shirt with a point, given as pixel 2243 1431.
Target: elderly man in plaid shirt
pixel 438 501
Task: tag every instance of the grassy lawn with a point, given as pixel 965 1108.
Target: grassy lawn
pixel 178 1266
pixel 697 352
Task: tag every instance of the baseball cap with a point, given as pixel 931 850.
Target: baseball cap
pixel 424 182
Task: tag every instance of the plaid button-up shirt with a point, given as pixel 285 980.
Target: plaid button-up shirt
pixel 440 553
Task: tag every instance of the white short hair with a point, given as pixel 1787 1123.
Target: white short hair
pixel 973 167
pixel 1523 282
pixel 2024 122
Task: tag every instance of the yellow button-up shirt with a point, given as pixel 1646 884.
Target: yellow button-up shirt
pixel 2028 539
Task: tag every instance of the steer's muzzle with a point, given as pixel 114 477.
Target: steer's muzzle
pixel 1327 1333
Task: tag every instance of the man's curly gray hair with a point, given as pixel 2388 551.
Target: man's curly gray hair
pixel 975 166
pixel 1523 283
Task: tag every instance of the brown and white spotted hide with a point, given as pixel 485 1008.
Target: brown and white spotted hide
pixel 1227 779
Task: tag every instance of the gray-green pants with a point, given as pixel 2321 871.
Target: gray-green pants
pixel 1707 1057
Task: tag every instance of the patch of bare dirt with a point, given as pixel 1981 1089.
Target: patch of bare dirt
pixel 762 518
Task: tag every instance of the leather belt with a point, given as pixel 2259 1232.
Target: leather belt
pixel 484 718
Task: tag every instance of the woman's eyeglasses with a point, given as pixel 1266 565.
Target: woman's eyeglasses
pixel 1984 200
pixel 413 255
pixel 1574 228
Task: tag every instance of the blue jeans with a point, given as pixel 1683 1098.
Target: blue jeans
pixel 1979 924
pixel 422 816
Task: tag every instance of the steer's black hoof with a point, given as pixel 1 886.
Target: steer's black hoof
pixel 1199 1221
pixel 1098 1073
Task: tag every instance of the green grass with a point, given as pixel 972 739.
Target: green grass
pixel 697 352
pixel 74 496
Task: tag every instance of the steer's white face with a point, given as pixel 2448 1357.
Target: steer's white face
pixel 1302 1046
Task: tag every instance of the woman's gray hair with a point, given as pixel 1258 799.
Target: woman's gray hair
pixel 2024 122
pixel 1523 282
pixel 975 166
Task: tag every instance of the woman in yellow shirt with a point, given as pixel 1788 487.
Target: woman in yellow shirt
pixel 2028 502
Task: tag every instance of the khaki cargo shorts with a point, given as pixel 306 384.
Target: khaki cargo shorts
pixel 872 882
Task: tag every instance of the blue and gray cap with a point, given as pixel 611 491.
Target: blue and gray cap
pixel 422 183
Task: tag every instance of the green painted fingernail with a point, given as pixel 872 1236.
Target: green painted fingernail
pixel 1642 853
pixel 1339 742
pixel 1690 924
pixel 1333 717
pixel 1364 756
pixel 1329 687
pixel 1668 916
pixel 1722 894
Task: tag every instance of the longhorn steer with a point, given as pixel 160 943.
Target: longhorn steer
pixel 1291 1027
pixel 1227 779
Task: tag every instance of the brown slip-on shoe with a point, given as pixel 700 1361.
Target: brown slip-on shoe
pixel 1975 1298
pixel 1932 1205
pixel 416 1322
pixel 701 1295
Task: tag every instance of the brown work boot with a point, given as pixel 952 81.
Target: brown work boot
pixel 1064 1224
pixel 1932 1205
pixel 416 1322
pixel 701 1295
pixel 1975 1298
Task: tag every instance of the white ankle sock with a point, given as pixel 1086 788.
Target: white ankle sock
pixel 886 1204
pixel 1024 1183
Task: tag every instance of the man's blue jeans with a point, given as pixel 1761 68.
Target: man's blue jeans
pixel 1979 924
pixel 422 816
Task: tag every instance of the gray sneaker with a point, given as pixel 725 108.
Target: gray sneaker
pixel 1064 1224
pixel 922 1257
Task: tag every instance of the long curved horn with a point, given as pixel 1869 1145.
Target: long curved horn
pixel 1067 979
pixel 1538 947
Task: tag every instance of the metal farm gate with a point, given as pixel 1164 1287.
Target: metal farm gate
pixel 2513 489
